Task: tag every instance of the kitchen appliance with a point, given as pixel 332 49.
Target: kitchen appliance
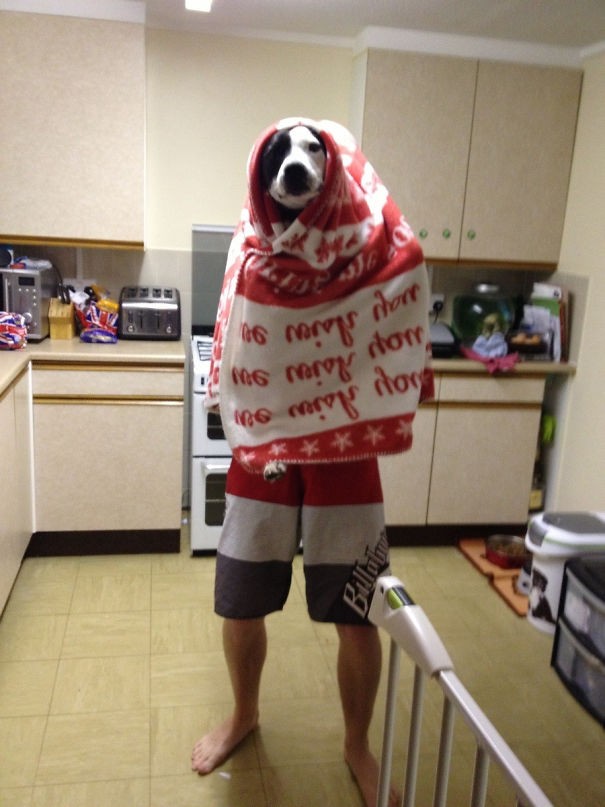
pixel 444 344
pixel 149 312
pixel 27 290
pixel 210 452
pixel 210 457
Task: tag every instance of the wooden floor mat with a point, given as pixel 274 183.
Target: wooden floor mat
pixel 503 580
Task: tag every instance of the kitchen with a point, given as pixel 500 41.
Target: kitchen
pixel 194 174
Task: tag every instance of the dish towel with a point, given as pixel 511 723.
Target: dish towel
pixel 493 365
pixel 321 350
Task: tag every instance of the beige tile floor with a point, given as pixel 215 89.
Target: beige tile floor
pixel 111 668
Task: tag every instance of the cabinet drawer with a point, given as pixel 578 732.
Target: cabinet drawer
pixel 115 380
pixel 471 389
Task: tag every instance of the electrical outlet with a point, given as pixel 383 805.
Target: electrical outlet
pixel 437 303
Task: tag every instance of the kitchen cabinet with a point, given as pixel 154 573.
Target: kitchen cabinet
pixel 16 498
pixel 108 447
pixel 477 154
pixel 406 478
pixel 484 449
pixel 473 454
pixel 417 114
pixel 524 127
pixel 73 131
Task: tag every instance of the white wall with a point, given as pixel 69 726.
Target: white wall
pixel 208 98
pixel 580 482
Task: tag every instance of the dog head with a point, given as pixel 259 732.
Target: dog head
pixel 292 167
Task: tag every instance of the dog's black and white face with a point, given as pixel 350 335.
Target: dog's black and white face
pixel 292 165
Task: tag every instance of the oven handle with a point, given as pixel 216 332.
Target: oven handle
pixel 215 466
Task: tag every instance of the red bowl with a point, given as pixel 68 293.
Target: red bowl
pixel 506 551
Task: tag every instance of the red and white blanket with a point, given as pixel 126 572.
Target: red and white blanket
pixel 321 349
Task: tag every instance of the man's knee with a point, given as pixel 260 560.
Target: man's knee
pixel 357 635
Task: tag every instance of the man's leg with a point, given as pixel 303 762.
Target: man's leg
pixel 245 645
pixel 359 665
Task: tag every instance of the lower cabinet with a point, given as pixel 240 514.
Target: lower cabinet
pixel 108 448
pixel 483 463
pixel 16 498
pixel 406 478
pixel 473 455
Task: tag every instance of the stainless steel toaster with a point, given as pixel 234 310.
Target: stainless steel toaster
pixel 149 312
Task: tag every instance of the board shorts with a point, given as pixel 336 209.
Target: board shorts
pixel 335 509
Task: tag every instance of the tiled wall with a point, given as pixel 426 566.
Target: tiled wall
pixel 115 268
pixel 454 280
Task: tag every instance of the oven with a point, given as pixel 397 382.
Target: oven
pixel 208 478
pixel 210 452
pixel 210 457
pixel 207 436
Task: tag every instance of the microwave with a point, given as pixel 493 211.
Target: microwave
pixel 28 291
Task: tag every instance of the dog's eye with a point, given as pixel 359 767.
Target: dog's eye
pixel 314 148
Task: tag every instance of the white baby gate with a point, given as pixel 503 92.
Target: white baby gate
pixel 411 631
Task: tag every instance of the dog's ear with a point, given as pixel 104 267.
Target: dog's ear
pixel 315 133
pixel 273 154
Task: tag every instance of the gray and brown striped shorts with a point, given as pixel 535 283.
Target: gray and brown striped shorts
pixel 335 510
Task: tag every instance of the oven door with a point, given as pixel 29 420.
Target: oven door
pixel 208 480
pixel 207 435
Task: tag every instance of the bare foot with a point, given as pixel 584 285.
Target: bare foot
pixel 365 771
pixel 214 748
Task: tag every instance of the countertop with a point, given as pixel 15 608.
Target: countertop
pixel 12 362
pixel 527 367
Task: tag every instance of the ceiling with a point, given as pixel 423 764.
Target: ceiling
pixel 563 23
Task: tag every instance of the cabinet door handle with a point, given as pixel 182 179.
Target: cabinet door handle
pixel 446 233
pixel 471 235
pixel 423 233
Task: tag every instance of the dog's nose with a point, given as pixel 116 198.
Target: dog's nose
pixel 296 178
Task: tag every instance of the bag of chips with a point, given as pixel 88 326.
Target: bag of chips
pixel 13 331
pixel 97 324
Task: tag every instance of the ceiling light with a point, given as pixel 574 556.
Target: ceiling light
pixel 198 5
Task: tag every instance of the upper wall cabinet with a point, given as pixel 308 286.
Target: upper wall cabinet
pixel 524 128
pixel 417 119
pixel 72 130
pixel 477 154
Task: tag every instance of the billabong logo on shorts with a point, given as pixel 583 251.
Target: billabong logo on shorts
pixel 358 591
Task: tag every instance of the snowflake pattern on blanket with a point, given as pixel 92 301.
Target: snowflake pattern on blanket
pixel 321 348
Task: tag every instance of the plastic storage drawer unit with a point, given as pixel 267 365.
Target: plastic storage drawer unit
pixel 582 673
pixel 583 601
